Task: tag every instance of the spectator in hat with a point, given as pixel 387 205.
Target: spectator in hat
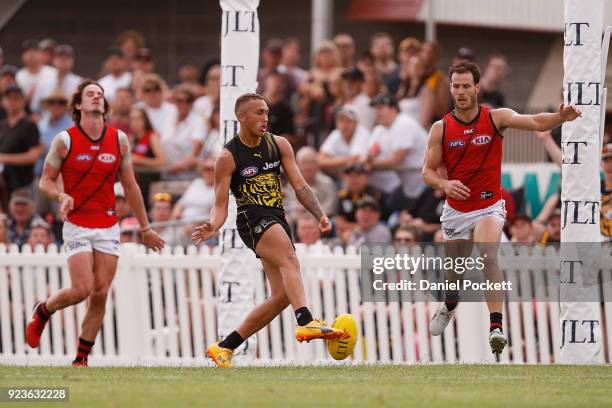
pixel 369 230
pixel 491 81
pixel 161 212
pixel 20 145
pixel 40 234
pixel 162 114
pixel 54 120
pixel 36 79
pixel 346 144
pixel 352 81
pixel 63 61
pixel 397 148
pixel 521 230
pixel 346 48
pixel 47 48
pixel 187 133
pixel 120 110
pixel 122 207
pixel 22 216
pixel 117 75
pixel 356 177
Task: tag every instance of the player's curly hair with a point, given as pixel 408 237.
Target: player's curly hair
pixel 77 98
pixel 464 67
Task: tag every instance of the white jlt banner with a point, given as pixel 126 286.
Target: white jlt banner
pixel 239 266
pixel 581 341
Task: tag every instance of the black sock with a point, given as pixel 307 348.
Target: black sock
pixel 42 312
pixel 84 349
pixel 232 341
pixel 496 321
pixel 303 316
pixel 450 305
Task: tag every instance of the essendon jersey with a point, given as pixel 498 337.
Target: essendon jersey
pixel 472 154
pixel 89 172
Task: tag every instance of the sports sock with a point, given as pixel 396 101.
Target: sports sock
pixel 303 316
pixel 42 312
pixel 84 349
pixel 496 321
pixel 232 341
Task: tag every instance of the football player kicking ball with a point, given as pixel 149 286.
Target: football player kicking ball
pixel 250 165
pixel 467 142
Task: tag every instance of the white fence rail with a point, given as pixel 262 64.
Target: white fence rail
pixel 162 310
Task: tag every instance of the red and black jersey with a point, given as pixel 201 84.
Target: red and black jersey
pixel 472 154
pixel 89 172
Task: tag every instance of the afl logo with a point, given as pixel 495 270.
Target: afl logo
pixel 249 171
pixel 107 158
pixel 456 143
pixel 481 140
pixel 83 157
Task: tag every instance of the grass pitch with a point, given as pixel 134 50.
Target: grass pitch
pixel 339 386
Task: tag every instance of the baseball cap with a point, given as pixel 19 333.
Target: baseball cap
pixel 384 100
pixel 606 151
pixel 353 74
pixel 367 201
pixel 13 89
pixel 8 70
pixel 359 168
pixel 347 111
pixel 22 196
pixel 64 49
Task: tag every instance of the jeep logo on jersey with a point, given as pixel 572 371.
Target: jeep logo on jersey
pixel 456 143
pixel 272 165
pixel 481 140
pixel 249 171
pixel 107 158
pixel 83 157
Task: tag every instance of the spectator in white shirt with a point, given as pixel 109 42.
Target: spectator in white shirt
pixel 181 142
pixel 36 79
pixel 196 202
pixel 63 61
pixel 163 115
pixel 346 144
pixel 397 148
pixel 118 76
pixel 352 88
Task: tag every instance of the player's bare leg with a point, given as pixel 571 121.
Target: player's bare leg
pixel 80 266
pixel 443 316
pixel 487 235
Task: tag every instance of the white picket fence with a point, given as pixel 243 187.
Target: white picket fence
pixel 162 311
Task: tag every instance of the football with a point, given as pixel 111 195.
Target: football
pixel 340 349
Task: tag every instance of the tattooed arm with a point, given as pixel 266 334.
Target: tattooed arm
pixel 303 192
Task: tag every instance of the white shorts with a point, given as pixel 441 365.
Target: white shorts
pixel 80 239
pixel 460 225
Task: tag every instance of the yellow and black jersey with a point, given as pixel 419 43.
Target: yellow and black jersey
pixel 256 180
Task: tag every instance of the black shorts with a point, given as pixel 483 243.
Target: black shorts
pixel 252 221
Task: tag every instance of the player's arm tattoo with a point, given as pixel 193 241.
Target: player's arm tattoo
pixel 309 200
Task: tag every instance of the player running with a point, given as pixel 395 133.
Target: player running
pixel 467 142
pixel 250 165
pixel 89 156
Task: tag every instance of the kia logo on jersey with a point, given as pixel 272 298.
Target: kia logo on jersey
pixel 107 158
pixel 481 140
pixel 249 171
pixel 456 143
pixel 83 157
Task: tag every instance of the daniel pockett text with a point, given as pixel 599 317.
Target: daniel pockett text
pixel 393 276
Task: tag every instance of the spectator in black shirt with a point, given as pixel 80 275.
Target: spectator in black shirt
pixel 425 216
pixel 20 145
pixel 280 117
pixel 356 177
pixel 7 78
pixel 491 81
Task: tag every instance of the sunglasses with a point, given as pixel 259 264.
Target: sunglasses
pixel 162 197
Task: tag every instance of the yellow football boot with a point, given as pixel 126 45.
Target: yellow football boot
pixel 317 329
pixel 220 355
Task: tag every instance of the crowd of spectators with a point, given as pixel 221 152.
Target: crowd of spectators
pixel 357 119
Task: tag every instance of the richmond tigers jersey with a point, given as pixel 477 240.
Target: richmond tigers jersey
pixel 256 180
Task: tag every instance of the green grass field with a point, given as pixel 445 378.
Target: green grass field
pixel 350 386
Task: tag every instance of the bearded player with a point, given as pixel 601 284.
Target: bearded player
pixel 467 144
pixel 89 157
pixel 250 166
